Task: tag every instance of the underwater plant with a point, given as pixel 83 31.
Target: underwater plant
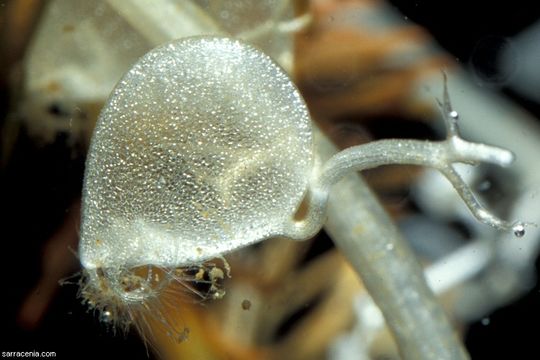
pixel 205 146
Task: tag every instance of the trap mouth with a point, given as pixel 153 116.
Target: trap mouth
pixel 133 285
pixel 139 284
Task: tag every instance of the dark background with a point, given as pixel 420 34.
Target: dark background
pixel 467 29
pixel 40 183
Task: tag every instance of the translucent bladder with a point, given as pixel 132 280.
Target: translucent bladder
pixel 205 146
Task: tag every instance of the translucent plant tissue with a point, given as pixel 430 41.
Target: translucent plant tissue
pixel 204 146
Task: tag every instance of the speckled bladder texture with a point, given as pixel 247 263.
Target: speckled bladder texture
pixel 204 146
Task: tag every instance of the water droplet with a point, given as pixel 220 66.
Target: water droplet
pixel 486 321
pixel 519 229
pixel 454 114
pixel 106 316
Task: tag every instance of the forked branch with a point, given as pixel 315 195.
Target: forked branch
pixel 440 155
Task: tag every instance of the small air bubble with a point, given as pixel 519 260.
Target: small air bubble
pixel 484 185
pixel 106 316
pixel 519 230
pixel 454 114
pixel 486 321
pixel 246 304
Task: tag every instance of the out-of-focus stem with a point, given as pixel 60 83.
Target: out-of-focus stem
pixel 160 21
pixel 364 233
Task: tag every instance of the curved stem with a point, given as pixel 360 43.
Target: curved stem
pixel 439 155
pixel 372 244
